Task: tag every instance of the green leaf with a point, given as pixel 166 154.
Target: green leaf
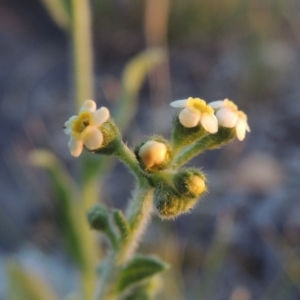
pixel 138 269
pixel 144 291
pixel 121 223
pixel 66 193
pixel 138 294
pixel 25 285
pixel 133 77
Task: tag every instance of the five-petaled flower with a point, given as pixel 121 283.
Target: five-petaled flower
pixel 196 111
pixel 229 116
pixel 84 129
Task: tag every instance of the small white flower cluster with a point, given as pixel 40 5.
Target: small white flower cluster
pixel 217 113
pixel 85 129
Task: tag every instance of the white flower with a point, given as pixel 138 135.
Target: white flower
pixel 196 111
pixel 229 116
pixel 153 154
pixel 84 129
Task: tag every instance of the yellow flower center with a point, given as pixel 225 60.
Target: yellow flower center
pixel 242 115
pixel 230 104
pixel 198 105
pixel 83 120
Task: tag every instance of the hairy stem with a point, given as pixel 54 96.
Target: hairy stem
pixel 139 214
pixel 211 141
pixel 128 158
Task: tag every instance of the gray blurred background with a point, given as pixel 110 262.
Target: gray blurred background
pixel 243 239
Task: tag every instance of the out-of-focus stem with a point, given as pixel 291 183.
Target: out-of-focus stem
pixel 82 50
pixel 156 31
pixel 84 89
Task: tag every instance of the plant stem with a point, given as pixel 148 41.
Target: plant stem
pixel 211 141
pixel 82 50
pixel 128 158
pixel 138 215
pixel 83 69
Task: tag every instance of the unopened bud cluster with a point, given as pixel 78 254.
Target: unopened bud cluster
pixel 179 195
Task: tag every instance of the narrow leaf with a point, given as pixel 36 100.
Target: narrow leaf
pixel 58 11
pixel 66 193
pixel 133 77
pixel 138 269
pixel 121 223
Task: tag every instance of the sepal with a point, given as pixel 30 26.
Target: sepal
pixel 183 136
pixel 190 182
pixel 111 139
pixel 170 204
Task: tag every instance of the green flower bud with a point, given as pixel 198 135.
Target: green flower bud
pixel 170 204
pixel 154 154
pixel 190 183
pixel 98 217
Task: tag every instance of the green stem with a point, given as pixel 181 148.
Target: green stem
pixel 128 158
pixel 84 89
pixel 82 50
pixel 138 214
pixel 211 141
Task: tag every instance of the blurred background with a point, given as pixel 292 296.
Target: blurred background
pixel 242 241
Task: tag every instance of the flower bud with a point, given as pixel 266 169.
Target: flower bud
pixel 98 217
pixel 154 154
pixel 170 204
pixel 190 183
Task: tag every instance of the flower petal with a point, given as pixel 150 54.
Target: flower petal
pixel 189 118
pixel 68 125
pixel 100 116
pixel 209 122
pixel 92 137
pixel 153 153
pixel 226 117
pixel 75 146
pixel 241 127
pixel 179 103
pixel 217 104
pixel 247 127
pixel 88 105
